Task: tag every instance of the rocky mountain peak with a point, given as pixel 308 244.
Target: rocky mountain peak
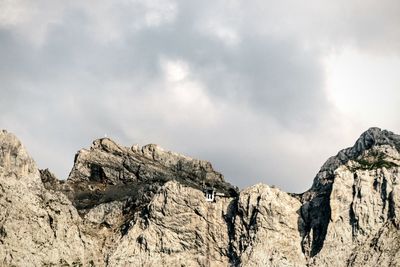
pixel 376 137
pixel 374 153
pixel 108 162
pixel 107 145
pixel 372 139
pixel 14 159
pixel 108 170
pixel 145 206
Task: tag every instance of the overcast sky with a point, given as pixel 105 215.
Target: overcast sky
pixel 265 90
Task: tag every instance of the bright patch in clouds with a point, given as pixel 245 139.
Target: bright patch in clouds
pixel 364 86
pixel 183 97
pixel 174 70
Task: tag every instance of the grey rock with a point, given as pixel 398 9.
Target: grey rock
pixel 267 228
pixel 37 226
pixel 144 206
pixel 179 227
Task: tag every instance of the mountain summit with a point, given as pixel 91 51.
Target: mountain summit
pixel 144 206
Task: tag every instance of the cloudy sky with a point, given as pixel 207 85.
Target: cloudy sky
pixel 265 90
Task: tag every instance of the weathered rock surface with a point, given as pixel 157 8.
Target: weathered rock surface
pixel 180 227
pixel 37 226
pixel 267 228
pixel 132 206
pixel 353 199
pixel 108 171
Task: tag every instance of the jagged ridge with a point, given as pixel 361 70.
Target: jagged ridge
pixel 145 206
pixel 108 171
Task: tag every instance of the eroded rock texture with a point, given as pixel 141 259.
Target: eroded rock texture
pixel 143 206
pixel 37 226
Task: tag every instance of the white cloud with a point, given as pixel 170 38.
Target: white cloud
pixel 364 87
pixel 175 70
pixel 184 98
pixel 13 12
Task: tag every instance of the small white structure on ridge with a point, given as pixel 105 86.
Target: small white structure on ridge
pixel 209 194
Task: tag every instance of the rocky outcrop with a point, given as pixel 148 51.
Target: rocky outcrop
pixel 353 199
pixel 144 206
pixel 267 228
pixel 180 227
pixel 108 163
pixel 37 226
pixel 108 171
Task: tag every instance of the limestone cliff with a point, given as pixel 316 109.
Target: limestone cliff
pixel 144 206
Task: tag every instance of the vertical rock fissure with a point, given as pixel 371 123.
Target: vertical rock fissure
pixel 51 223
pixel 230 219
pixel 321 228
pixel 353 219
pixel 384 195
pixel 391 210
pixel 305 234
pixel 3 234
pixel 316 214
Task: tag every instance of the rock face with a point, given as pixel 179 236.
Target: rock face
pixel 353 203
pixel 37 226
pixel 111 171
pixel 143 206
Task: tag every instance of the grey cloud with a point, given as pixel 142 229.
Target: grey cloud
pixel 86 80
pixel 275 76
